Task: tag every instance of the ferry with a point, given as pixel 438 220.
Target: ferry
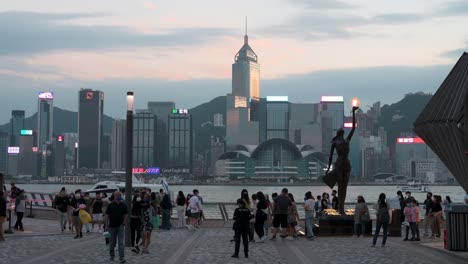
pixel 415 187
pixel 112 186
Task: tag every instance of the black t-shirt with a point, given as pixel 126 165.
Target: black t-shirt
pixel 116 213
pixel 428 203
pixel 180 201
pixel 76 203
pixel 61 203
pixel 97 207
pixel 335 203
pixel 436 207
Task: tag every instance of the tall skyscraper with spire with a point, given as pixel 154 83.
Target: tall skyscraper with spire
pixel 246 71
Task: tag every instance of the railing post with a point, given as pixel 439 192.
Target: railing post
pixel 9 231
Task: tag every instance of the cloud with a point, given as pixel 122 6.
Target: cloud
pixel 455 53
pixel 397 18
pixel 28 32
pixel 453 8
pixel 148 4
pixel 322 4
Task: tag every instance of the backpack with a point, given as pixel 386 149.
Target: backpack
pixel 382 214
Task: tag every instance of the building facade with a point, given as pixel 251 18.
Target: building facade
pixel 161 110
pixel 4 139
pixel 16 125
pixel 144 139
pixel 90 128
pixel 45 117
pixel 118 144
pixel 246 72
pixel 277 121
pixel 180 141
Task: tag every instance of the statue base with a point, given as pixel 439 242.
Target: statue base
pixel 340 225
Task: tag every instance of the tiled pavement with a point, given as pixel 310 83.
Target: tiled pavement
pixel 42 244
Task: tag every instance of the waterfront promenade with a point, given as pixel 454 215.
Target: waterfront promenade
pixel 42 243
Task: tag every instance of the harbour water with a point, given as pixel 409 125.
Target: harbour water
pixel 228 194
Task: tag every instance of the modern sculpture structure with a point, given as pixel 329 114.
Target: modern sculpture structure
pixel 341 171
pixel 443 124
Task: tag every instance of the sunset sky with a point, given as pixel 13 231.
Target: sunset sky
pixel 183 50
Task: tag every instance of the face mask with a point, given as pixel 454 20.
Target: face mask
pixel 138 199
pixel 410 205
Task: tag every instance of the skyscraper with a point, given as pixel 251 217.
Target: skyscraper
pixel 90 128
pixel 16 124
pixel 26 164
pixel 332 118
pixel 161 110
pixel 246 71
pixel 3 151
pixel 277 121
pixel 118 143
pixel 144 139
pixel 45 110
pixel 180 140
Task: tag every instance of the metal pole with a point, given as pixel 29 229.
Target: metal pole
pixel 128 167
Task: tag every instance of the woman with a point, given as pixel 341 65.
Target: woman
pixel 147 221
pixel 447 205
pixel 246 198
pixel 383 219
pixel 71 197
pixel 187 209
pixel 436 213
pixel 293 216
pixel 309 208
pixel 180 201
pixel 135 223
pixel 325 202
pixel 20 208
pixel 361 217
pixel 267 223
pixel 261 216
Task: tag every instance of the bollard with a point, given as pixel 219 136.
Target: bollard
pixel 30 210
pixel 9 231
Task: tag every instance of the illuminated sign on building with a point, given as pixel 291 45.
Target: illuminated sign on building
pixel 180 111
pixel 59 138
pixel 150 170
pixel 349 124
pixel 25 132
pixel 277 99
pixel 332 99
pixel 13 150
pixel 46 95
pixel 35 149
pixel 89 95
pixel 415 140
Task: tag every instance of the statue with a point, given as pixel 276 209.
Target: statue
pixel 342 168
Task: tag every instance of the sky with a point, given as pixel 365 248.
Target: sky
pixel 182 50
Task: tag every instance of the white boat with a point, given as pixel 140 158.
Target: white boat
pixel 415 187
pixel 112 186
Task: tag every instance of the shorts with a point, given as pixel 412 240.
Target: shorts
pixel 280 219
pixel 97 217
pixel 76 220
pixel 195 215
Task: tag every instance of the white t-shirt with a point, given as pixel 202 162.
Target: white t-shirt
pixel 309 205
pixel 194 204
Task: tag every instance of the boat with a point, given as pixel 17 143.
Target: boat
pixel 415 187
pixel 112 186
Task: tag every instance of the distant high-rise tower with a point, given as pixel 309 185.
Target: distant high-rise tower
pixel 161 110
pixel 246 71
pixel 45 110
pixel 16 125
pixel 90 128
pixel 118 142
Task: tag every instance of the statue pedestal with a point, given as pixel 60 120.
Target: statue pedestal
pixel 339 225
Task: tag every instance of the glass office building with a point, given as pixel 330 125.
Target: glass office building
pixel 45 110
pixel 277 121
pixel 180 140
pixel 16 125
pixel 144 139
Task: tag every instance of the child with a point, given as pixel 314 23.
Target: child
pixel 241 227
pixel 410 217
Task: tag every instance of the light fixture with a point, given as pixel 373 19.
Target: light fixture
pixel 355 102
pixel 130 101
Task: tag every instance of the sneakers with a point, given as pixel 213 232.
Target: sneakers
pixel 406 239
pixel 311 238
pixel 122 261
pixel 246 255
pixel 135 250
pixel 235 256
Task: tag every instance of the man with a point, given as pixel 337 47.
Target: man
pixel 14 191
pixel 280 210
pixel 335 201
pixel 115 221
pixel 408 194
pixel 195 207
pixel 96 210
pixel 75 204
pixel 61 205
pixel 401 199
pixel 2 214
pixel 427 219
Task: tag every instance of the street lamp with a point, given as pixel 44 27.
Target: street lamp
pixel 355 102
pixel 128 166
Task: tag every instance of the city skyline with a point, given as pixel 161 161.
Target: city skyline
pixel 167 52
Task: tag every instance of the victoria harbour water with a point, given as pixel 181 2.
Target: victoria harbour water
pixel 230 193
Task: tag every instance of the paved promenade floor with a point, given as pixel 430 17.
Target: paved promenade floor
pixel 41 243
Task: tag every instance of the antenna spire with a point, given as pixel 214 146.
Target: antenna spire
pixel 246 38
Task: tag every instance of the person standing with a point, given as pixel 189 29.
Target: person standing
pixel 241 228
pixel 253 210
pixel 20 208
pixel 135 223
pixel 309 208
pixel 116 216
pixel 410 217
pixel 180 202
pixel 75 203
pixel 361 217
pixel 324 203
pixel 3 215
pixel 293 218
pixel 166 209
pixel 261 216
pixel 383 219
pixel 281 206
pixel 401 200
pixel 195 207
pixel 428 203
pixel 96 210
pixel 61 203
pixel 436 214
pixel 335 201
pixel 318 206
pixel 148 212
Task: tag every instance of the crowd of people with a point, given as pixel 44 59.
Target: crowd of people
pixel 15 201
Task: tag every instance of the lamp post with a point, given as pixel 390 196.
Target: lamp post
pixel 75 166
pixel 128 166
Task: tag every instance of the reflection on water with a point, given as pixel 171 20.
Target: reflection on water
pixel 230 193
